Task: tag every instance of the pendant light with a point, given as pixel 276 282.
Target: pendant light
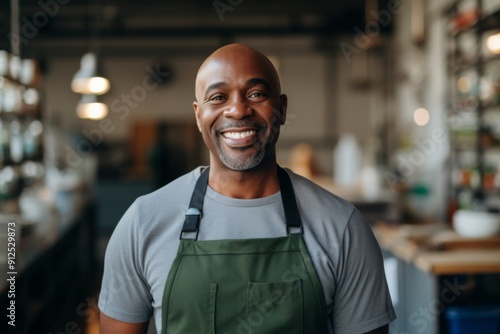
pixel 89 107
pixel 89 80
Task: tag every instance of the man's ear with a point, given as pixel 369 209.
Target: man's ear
pixel 197 114
pixel 283 106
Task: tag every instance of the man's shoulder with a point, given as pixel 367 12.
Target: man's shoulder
pixel 306 189
pixel 319 208
pixel 169 196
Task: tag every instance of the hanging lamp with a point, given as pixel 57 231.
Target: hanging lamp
pixel 89 107
pixel 89 79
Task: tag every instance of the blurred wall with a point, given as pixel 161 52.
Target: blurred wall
pixel 130 99
pixel 322 101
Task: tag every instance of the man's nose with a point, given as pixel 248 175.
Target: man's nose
pixel 238 108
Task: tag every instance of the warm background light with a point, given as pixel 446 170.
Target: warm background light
pixel 464 84
pixel 98 85
pixel 421 116
pixel 93 111
pixel 493 43
pixel 93 85
pixel 89 79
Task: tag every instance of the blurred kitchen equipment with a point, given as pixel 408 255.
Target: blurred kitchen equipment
pixel 370 182
pixel 347 161
pixel 476 224
pixel 303 162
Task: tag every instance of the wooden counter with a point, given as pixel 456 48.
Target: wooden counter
pixel 430 268
pixel 439 250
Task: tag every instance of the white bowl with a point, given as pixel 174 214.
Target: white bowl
pixel 476 224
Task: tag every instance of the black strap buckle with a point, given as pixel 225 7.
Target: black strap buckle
pixel 193 214
pixel 191 222
pixel 294 230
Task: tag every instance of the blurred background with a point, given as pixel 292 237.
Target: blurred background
pixel 393 105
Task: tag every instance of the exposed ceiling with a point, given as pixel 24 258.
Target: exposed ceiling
pixel 66 26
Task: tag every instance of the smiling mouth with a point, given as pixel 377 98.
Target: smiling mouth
pixel 239 138
pixel 238 135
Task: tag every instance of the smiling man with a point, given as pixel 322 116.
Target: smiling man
pixel 239 109
pixel 242 245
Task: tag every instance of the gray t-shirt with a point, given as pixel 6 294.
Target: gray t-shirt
pixel 344 251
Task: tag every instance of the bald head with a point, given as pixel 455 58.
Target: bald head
pixel 233 59
pixel 239 109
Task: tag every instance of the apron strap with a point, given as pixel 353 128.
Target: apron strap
pixel 292 214
pixel 194 213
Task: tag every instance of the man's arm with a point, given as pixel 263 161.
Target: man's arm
pixel 112 326
pixel 380 330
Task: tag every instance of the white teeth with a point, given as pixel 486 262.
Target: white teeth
pixel 238 135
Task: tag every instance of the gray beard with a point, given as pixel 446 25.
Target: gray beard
pixel 243 165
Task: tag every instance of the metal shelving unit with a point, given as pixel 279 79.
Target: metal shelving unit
pixel 21 128
pixel 474 94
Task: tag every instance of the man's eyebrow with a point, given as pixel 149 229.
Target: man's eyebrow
pixel 250 82
pixel 214 86
pixel 257 81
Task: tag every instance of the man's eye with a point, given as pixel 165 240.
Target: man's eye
pixel 217 98
pixel 257 94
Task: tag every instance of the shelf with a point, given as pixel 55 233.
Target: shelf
pixel 470 104
pixel 473 147
pixel 487 192
pixel 487 23
pixel 462 105
pixel 491 21
pixel 492 106
pixel 484 60
pixel 491 58
pixel 10 116
pixel 37 159
pixel 495 147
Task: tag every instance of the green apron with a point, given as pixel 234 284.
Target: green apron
pixel 243 286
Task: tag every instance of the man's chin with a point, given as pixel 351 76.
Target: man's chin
pixel 241 164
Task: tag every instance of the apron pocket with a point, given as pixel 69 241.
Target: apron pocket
pixel 274 307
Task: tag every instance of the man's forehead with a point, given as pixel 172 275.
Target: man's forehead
pixel 227 70
pixel 243 63
pixel 222 64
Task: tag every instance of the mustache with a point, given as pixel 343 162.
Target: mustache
pixel 239 124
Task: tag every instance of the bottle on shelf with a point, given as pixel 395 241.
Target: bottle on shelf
pixel 4 143
pixel 466 15
pixel 32 141
pixel 16 142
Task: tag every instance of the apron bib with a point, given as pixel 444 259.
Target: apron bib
pixel 244 286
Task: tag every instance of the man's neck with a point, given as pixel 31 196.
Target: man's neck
pixel 258 182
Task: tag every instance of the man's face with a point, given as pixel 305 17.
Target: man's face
pixel 239 110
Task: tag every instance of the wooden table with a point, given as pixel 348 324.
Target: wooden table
pixel 430 268
pixel 439 250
